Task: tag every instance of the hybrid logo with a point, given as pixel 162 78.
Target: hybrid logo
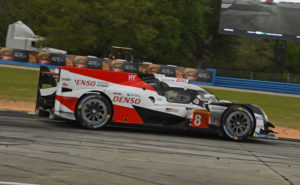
pixel 85 83
pixel 131 100
pixel 131 77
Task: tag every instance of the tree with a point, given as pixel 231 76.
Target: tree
pixel 293 61
pixel 178 32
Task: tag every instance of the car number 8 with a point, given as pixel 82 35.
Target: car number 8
pixel 197 121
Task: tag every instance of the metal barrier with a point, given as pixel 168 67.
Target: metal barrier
pixel 257 85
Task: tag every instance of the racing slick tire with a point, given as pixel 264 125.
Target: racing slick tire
pixel 94 111
pixel 237 123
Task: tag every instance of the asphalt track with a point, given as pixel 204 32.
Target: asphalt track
pixel 253 15
pixel 41 151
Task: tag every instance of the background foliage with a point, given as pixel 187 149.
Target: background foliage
pixel 178 32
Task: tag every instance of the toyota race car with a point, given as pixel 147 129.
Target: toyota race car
pixel 95 98
pixel 270 1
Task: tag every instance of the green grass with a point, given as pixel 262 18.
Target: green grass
pixel 18 84
pixel 282 111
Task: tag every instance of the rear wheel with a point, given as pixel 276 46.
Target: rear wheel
pixel 94 111
pixel 238 123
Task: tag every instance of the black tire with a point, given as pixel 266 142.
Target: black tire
pixel 94 111
pixel 238 123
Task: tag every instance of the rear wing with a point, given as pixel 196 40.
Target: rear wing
pixel 45 103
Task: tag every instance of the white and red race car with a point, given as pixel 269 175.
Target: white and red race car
pixel 96 98
pixel 270 1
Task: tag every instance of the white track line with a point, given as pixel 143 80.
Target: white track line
pixel 15 183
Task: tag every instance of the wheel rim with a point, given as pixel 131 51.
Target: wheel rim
pixel 94 112
pixel 238 124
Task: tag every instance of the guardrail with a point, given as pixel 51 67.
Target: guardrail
pixel 257 85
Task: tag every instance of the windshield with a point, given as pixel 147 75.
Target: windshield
pixel 206 96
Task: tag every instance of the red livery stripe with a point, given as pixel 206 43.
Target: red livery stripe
pixel 126 115
pixel 69 102
pixel 128 79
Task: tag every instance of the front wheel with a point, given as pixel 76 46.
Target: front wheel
pixel 94 111
pixel 237 123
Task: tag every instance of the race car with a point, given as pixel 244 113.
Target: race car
pixel 270 1
pixel 96 98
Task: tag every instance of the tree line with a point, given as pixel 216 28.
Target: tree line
pixel 178 32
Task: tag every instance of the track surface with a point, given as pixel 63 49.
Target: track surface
pixel 253 15
pixel 39 151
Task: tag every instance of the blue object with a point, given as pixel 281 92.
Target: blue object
pixel 27 64
pixel 258 85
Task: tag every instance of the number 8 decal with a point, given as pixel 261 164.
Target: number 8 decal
pixel 200 118
pixel 197 120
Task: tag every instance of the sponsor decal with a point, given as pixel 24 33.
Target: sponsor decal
pixel 93 63
pixel 217 108
pixel 65 84
pixel 20 55
pixel 80 61
pixel 128 67
pixel 43 58
pixel 130 100
pixel 203 75
pixel 102 84
pixel 57 59
pixel 168 71
pixel 66 79
pixel 182 80
pixel 131 67
pixel 135 95
pixel 85 82
pixel 172 110
pixel 131 77
pixel 117 93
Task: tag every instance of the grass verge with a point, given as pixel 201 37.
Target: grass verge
pixel 18 84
